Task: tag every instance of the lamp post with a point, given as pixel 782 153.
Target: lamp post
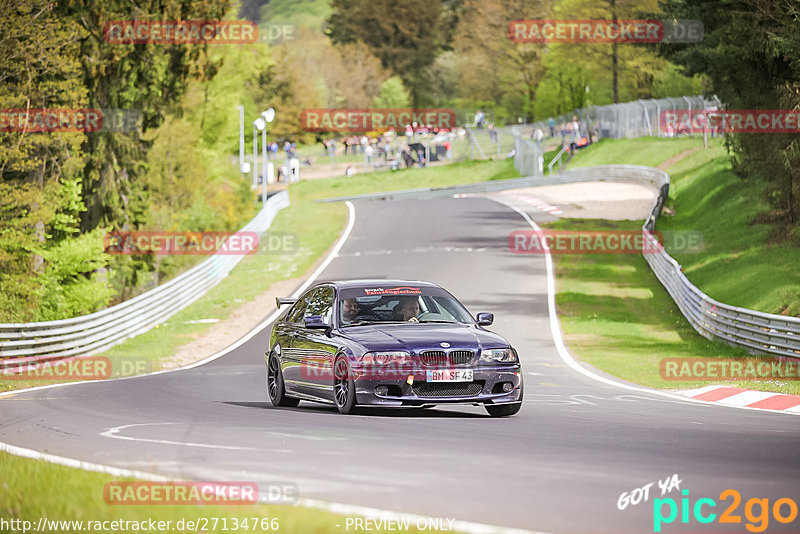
pixel 266 117
pixel 255 156
pixel 241 139
pixel 260 125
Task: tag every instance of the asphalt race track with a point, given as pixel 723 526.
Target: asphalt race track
pixel 560 465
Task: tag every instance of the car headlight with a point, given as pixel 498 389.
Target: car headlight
pixel 386 357
pixel 508 355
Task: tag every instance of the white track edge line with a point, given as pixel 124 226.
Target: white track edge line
pixel 563 351
pixel 337 508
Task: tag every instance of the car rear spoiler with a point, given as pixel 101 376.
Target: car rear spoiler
pixel 280 301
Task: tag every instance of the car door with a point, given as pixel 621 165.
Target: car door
pixel 315 348
pixel 287 334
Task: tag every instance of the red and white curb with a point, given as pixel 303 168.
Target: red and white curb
pixel 543 206
pixel 747 398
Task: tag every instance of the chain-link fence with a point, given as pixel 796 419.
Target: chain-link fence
pixel 534 146
pixel 584 126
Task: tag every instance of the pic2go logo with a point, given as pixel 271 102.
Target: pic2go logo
pixel 757 511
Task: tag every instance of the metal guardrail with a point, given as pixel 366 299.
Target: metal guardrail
pixel 31 343
pixel 755 331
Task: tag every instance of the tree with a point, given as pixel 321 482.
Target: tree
pixel 393 95
pixel 145 78
pixel 40 172
pixel 492 66
pixel 406 36
pixel 618 59
pixel 751 53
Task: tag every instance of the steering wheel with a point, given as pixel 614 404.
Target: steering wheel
pixel 423 315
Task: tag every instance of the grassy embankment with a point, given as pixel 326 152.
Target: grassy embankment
pixel 616 315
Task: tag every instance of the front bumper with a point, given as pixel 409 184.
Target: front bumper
pixel 485 388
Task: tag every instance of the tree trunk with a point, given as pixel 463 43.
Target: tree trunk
pixel 615 55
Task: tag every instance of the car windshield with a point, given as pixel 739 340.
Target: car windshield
pixel 407 304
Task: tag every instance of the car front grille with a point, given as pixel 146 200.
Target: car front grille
pixel 433 358
pixel 447 389
pixel 460 357
pixel 437 358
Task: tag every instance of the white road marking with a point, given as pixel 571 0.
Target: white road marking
pixel 114 433
pixel 563 351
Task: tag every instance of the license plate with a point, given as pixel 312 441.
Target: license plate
pixel 450 375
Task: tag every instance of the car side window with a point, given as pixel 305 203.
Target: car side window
pixel 321 303
pixel 297 312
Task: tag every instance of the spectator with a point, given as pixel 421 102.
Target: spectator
pixel 479 117
pixel 538 134
pixel 448 147
pixel 350 171
pixel 364 143
pixel 421 158
pixel 407 156
pixel 368 153
pixel 492 132
pixel 552 125
pixel 563 131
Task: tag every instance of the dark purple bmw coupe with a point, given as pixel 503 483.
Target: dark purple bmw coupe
pixel 389 343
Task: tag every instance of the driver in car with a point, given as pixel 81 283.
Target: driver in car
pixel 410 310
pixel 349 310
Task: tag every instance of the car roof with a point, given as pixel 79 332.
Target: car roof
pixel 371 282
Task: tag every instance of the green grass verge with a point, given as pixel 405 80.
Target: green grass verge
pixel 32 489
pixel 742 264
pixel 617 316
pixel 649 151
pixel 467 172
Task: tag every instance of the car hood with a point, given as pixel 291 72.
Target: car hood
pixel 416 337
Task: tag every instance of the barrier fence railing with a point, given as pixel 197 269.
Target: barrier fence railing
pixel 629 120
pixel 753 330
pixel 31 343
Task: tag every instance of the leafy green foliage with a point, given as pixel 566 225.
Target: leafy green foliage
pixel 393 95
pixel 751 53
pixel 405 36
pixel 73 281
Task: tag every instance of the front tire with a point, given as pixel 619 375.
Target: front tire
pixel 503 410
pixel 344 387
pixel 276 391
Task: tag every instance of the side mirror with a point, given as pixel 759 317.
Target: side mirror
pixel 315 322
pixel 485 319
